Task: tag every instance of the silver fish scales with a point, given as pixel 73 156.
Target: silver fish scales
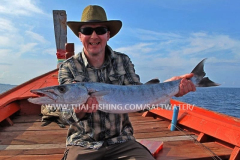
pixel 117 98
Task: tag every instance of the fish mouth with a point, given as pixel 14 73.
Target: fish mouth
pixel 44 97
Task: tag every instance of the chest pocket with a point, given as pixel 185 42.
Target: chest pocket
pixel 78 71
pixel 117 77
pixel 80 78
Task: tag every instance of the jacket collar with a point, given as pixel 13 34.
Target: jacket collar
pixel 109 53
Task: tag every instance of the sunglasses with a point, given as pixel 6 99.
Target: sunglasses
pixel 89 30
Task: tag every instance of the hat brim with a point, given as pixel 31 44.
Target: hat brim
pixel 113 26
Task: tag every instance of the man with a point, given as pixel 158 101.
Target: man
pixel 94 134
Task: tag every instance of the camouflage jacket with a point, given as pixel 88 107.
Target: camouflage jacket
pixel 99 127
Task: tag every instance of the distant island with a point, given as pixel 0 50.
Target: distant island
pixel 7 84
pixel 5 87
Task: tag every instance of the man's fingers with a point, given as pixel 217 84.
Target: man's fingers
pixel 193 87
pixel 94 100
pixel 92 104
pixel 185 87
pixel 95 103
pixel 187 76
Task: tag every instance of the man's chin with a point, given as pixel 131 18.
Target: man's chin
pixel 94 52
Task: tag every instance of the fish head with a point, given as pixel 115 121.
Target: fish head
pixel 62 94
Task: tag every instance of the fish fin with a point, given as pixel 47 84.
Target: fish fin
pixel 199 79
pixel 153 81
pixel 198 70
pixel 98 93
pixel 206 82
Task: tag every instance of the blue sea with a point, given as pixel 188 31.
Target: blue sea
pixel 223 100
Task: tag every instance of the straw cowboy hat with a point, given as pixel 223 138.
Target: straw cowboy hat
pixel 93 14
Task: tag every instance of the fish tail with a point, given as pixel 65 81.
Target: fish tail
pixel 198 79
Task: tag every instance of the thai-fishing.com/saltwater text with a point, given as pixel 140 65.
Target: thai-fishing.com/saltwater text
pixel 130 107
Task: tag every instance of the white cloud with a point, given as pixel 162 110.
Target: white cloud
pixel 51 51
pixel 137 50
pixel 26 48
pixel 4 54
pixel 199 42
pixel 5 41
pixel 6 25
pixel 172 44
pixel 19 8
pixel 173 54
pixel 36 36
pixel 143 34
pixel 20 42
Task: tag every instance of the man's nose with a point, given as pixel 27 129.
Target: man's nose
pixel 94 34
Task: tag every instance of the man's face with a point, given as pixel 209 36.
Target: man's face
pixel 94 44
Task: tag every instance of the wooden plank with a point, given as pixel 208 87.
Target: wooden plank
pixel 148 114
pixel 150 124
pixel 139 118
pixel 31 157
pixel 22 151
pixel 39 143
pixel 32 146
pixel 147 130
pixel 27 119
pixel 8 110
pixel 133 118
pixel 189 150
pixel 10 122
pixel 36 126
pixel 60 28
pixel 32 133
pixel 142 122
pixel 134 114
pixel 37 139
pixel 28 108
pixel 150 127
pixel 235 155
pixel 202 137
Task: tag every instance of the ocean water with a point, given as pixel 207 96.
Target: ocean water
pixel 222 100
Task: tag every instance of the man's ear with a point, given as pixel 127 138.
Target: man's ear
pixel 79 36
pixel 108 35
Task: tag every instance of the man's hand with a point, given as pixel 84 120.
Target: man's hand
pixel 185 85
pixel 90 106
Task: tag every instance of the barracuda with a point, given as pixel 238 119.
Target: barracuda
pixel 117 98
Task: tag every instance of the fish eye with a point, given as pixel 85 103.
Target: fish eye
pixel 62 89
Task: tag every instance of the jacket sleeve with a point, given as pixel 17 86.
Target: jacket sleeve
pixel 130 78
pixel 65 76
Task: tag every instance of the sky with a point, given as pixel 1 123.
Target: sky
pixel 163 38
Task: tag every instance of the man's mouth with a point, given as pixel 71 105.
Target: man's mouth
pixel 96 43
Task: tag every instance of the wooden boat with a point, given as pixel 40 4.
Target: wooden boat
pixel 202 134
